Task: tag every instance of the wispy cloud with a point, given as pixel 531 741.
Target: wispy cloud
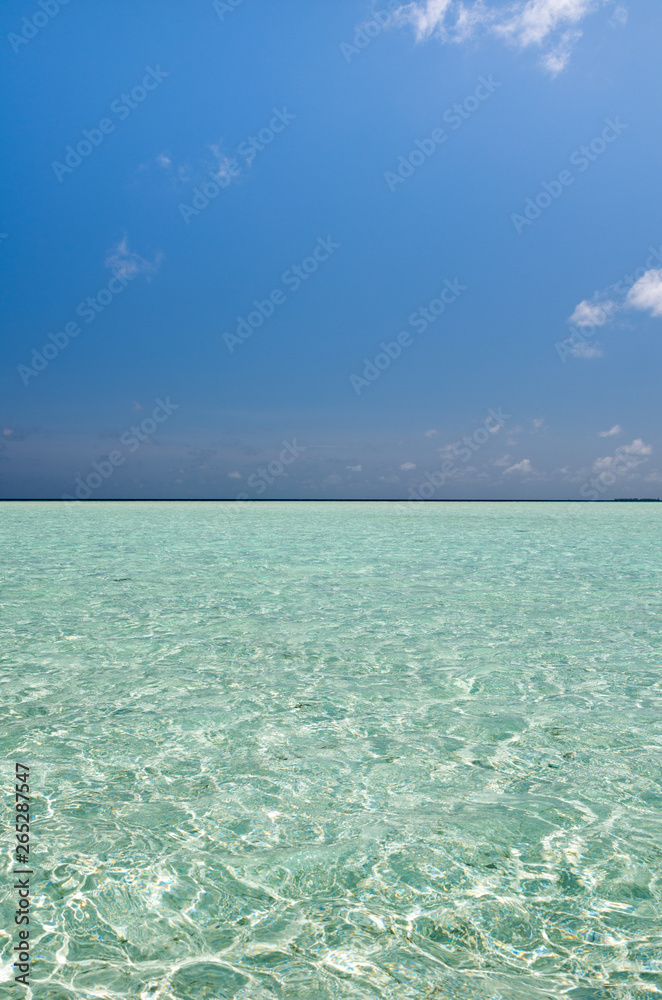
pixel 588 351
pixel 523 468
pixel 620 16
pixel 128 264
pixel 616 429
pixel 17 433
pixel 548 24
pixel 225 167
pixel 637 452
pixel 594 313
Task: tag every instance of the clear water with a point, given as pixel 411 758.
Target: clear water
pixel 337 750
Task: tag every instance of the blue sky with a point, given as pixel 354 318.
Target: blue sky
pixel 423 264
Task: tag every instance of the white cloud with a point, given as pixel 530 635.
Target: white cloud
pixel 538 422
pixel 164 160
pixel 647 293
pixel 129 264
pixel 557 60
pixel 524 468
pixel 553 23
pixel 593 313
pixel 587 351
pixel 407 466
pixel 601 464
pixel 354 468
pixel 637 447
pixel 616 429
pixel 427 17
pixel 531 23
pixel 234 475
pixel 431 433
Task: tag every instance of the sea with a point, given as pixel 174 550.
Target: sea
pixel 317 751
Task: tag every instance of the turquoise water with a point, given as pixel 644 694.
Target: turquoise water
pixel 344 750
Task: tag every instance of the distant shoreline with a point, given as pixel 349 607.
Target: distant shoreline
pixel 258 500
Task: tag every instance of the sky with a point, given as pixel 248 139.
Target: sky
pixel 331 251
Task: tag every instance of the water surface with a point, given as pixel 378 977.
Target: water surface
pixel 342 750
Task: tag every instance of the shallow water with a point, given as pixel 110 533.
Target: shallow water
pixel 342 750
